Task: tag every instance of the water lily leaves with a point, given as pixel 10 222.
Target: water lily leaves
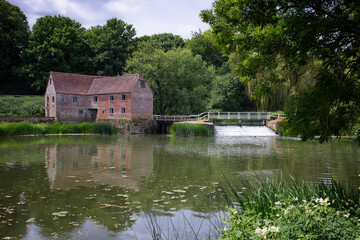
pixel 60 214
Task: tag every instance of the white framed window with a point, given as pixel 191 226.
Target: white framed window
pixel 95 99
pixel 111 98
pixel 123 97
pixel 81 111
pixel 111 110
pixel 75 99
pixel 62 99
pixel 142 84
pixel 122 110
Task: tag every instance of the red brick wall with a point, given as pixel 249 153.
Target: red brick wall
pixel 72 111
pixel 142 101
pixel 103 105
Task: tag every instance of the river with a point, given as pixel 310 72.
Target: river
pixel 103 187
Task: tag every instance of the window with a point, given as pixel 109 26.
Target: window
pixel 111 110
pixel 123 97
pixel 81 111
pixel 95 98
pixel 142 84
pixel 122 110
pixel 53 99
pixel 111 98
pixel 62 99
pixel 49 80
pixel 75 99
pixel 47 101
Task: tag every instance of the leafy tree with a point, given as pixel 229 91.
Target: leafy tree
pixel 111 44
pixel 267 34
pixel 180 81
pixel 203 45
pixel 167 41
pixel 14 32
pixel 56 43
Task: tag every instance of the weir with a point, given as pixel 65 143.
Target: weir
pixel 233 130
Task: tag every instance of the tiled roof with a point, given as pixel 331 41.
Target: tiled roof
pixel 118 84
pixel 85 84
pixel 71 83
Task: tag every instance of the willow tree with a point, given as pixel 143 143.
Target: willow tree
pixel 268 34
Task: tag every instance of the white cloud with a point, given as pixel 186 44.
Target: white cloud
pixel 179 17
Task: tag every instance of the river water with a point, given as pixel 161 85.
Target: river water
pixel 102 187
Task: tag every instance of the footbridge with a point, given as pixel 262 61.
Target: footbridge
pixel 239 116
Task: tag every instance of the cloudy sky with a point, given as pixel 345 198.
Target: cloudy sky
pixel 148 17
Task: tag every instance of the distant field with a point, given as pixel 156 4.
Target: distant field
pixel 22 106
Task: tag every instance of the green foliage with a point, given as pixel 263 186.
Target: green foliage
pixel 14 32
pixel 229 94
pixel 23 106
pixel 290 210
pixel 23 128
pixel 56 43
pixel 166 41
pixel 111 45
pixel 272 39
pixel 189 129
pixel 179 80
pixel 203 45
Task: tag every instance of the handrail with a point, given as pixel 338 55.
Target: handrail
pixel 217 115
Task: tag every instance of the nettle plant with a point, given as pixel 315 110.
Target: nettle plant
pixel 293 218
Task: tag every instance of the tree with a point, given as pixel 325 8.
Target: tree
pixel 167 41
pixel 111 44
pixel 267 34
pixel 14 32
pixel 56 43
pixel 203 45
pixel 180 81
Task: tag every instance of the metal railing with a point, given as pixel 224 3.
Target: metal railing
pixel 216 115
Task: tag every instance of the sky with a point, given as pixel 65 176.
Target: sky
pixel 180 17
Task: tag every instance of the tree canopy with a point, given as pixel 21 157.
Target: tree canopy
pixel 268 34
pixel 111 44
pixel 14 32
pixel 56 43
pixel 180 81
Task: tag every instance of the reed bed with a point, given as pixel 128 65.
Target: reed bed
pixel 187 129
pixel 24 128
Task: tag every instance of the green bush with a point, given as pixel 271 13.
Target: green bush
pixel 22 106
pixel 188 129
pixel 280 210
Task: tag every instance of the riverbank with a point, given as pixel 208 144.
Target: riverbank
pixel 24 128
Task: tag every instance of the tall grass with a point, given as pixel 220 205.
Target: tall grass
pixel 187 129
pixel 262 195
pixel 24 128
pixel 22 106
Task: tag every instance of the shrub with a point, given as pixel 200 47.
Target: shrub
pixel 22 106
pixel 291 210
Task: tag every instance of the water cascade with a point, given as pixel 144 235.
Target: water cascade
pixel 256 131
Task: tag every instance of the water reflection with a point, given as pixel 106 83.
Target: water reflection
pixel 104 184
pixel 121 164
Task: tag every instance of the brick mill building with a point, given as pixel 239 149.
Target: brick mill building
pixel 76 97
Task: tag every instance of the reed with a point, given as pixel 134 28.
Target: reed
pixel 24 128
pixel 187 129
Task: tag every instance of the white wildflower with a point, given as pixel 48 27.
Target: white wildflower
pixel 225 228
pixel 274 229
pixel 347 215
pixel 261 232
pixel 278 203
pixel 295 199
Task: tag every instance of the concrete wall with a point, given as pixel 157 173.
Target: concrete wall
pixel 142 101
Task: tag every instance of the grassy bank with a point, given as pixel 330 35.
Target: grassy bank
pixel 187 129
pixel 22 106
pixel 23 128
pixel 291 210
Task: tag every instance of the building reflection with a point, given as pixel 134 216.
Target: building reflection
pixel 122 164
